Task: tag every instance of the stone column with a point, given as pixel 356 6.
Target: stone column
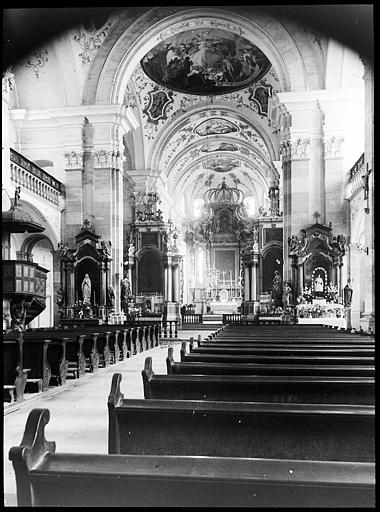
pixel 74 195
pixel 71 295
pixel 166 283
pixel 254 278
pixel 175 294
pixel 316 166
pixel 247 295
pixel 170 283
pixel 103 285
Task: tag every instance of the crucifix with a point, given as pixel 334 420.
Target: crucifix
pixel 224 279
pixel 316 215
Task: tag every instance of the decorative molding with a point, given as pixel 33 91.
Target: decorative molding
pixel 8 82
pixel 357 184
pixel 36 60
pixel 259 96
pixel 90 42
pixel 300 149
pixel 108 159
pixel 286 149
pixel 74 160
pixel 333 147
pixel 159 100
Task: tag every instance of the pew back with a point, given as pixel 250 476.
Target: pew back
pixel 246 388
pixel 225 429
pixel 45 478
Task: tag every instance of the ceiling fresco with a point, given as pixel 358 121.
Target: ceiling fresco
pixel 215 127
pixel 206 61
pixel 211 147
pixel 221 164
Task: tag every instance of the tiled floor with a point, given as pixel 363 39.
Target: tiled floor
pixel 78 411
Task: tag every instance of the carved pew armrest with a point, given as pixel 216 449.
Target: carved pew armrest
pixel 31 451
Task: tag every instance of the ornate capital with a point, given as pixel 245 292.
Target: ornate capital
pixel 300 149
pixel 74 160
pixel 333 147
pixel 110 159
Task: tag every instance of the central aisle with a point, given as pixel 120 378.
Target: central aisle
pixel 78 411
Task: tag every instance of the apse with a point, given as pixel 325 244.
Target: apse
pixel 205 62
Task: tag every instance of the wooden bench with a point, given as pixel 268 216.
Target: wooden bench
pixel 284 337
pixel 213 368
pixel 14 375
pixel 240 429
pixel 246 388
pixel 280 348
pixel 315 359
pixel 45 478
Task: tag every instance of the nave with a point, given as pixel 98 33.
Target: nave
pixel 309 442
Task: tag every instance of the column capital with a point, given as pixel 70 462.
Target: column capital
pixel 333 146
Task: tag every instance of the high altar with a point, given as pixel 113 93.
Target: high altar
pixel 230 254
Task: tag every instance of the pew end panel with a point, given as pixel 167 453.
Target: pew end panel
pixel 32 449
pixel 115 397
pixel 183 351
pixel 170 361
pixel 147 374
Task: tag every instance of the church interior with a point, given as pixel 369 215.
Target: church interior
pixel 200 180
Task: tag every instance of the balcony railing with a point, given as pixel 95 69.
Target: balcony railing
pixel 356 167
pixel 28 175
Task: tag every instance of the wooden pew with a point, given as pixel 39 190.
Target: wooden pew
pixel 243 340
pixel 285 335
pixel 250 388
pixel 280 348
pixel 57 361
pixel 245 429
pixel 14 375
pixel 35 358
pixel 45 478
pixel 288 331
pixel 207 368
pixel 315 359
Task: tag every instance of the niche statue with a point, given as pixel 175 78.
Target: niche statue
pixel 86 289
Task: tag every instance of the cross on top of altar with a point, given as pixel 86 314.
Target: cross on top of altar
pixel 316 216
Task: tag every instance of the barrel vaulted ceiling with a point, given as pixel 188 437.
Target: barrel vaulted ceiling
pixel 201 97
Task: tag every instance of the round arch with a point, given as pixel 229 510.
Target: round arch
pixel 113 66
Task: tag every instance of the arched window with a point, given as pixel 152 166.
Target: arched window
pixel 250 204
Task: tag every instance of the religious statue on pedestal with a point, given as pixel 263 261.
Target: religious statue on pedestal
pixel 86 289
pixel 111 296
pixel 347 293
pixel 318 285
pixel 287 294
pixel 125 293
pixel 277 288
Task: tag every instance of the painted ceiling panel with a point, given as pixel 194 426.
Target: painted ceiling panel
pixel 205 61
